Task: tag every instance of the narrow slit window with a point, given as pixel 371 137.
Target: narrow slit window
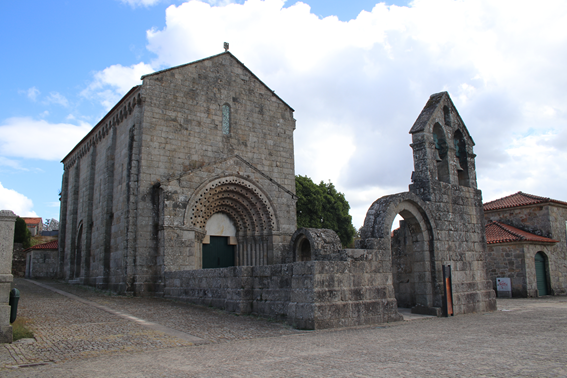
pixel 226 119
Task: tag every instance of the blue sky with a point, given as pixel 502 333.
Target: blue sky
pixel 357 82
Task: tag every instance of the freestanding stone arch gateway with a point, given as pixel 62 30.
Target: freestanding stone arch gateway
pixel 413 262
pixel 443 219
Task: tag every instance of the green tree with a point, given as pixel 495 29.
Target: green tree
pixel 321 206
pixel 21 233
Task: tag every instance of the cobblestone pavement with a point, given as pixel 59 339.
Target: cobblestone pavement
pixel 67 329
pixel 524 338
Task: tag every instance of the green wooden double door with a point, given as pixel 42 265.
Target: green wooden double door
pixel 218 253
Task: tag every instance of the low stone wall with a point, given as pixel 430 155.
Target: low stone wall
pixel 307 295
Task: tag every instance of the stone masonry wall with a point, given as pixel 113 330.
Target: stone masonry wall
pixel 461 243
pixel 95 200
pixel 508 261
pixel 307 295
pixel 533 219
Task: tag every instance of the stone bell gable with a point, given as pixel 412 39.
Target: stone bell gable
pixel 443 219
pixel 201 141
pixel 442 147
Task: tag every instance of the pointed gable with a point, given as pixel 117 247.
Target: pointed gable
pixel 517 200
pixel 436 101
pixel 498 232
pixel 226 53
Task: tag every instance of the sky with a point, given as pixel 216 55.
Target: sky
pixel 357 73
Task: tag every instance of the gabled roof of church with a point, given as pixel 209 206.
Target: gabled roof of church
pixel 213 57
pixel 517 200
pixel 427 112
pixel 498 232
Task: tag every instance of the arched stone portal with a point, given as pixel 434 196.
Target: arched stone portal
pixel 248 208
pixel 413 262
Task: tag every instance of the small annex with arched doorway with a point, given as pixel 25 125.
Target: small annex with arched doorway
pixel 521 256
pixel 527 242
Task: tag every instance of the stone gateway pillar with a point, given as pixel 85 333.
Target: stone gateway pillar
pixel 7 224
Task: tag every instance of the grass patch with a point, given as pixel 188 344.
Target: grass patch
pixel 20 329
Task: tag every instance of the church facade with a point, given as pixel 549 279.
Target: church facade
pixel 193 168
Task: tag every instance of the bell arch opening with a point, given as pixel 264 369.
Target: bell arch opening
pixel 441 153
pixel 461 159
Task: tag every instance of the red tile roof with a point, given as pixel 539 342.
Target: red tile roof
pixel 48 245
pixel 518 199
pixel 497 232
pixel 32 221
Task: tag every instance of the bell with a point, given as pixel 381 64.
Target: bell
pixel 437 157
pixel 459 168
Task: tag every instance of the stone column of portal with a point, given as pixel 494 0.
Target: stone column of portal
pixel 7 224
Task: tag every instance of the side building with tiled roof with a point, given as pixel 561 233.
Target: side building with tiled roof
pixel 41 260
pixel 527 242
pixel 34 224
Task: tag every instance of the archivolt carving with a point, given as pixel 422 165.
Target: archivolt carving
pixel 242 201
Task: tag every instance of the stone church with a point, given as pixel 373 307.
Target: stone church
pixel 194 168
pixel 186 189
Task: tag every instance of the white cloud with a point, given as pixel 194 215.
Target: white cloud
pixel 365 82
pixel 32 93
pixel 140 3
pixel 112 83
pixel 17 202
pixel 536 165
pixel 4 162
pixel 57 98
pixel 25 137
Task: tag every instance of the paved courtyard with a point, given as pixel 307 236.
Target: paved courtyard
pixel 81 332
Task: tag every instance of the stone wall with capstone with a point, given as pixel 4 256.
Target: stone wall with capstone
pixel 306 295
